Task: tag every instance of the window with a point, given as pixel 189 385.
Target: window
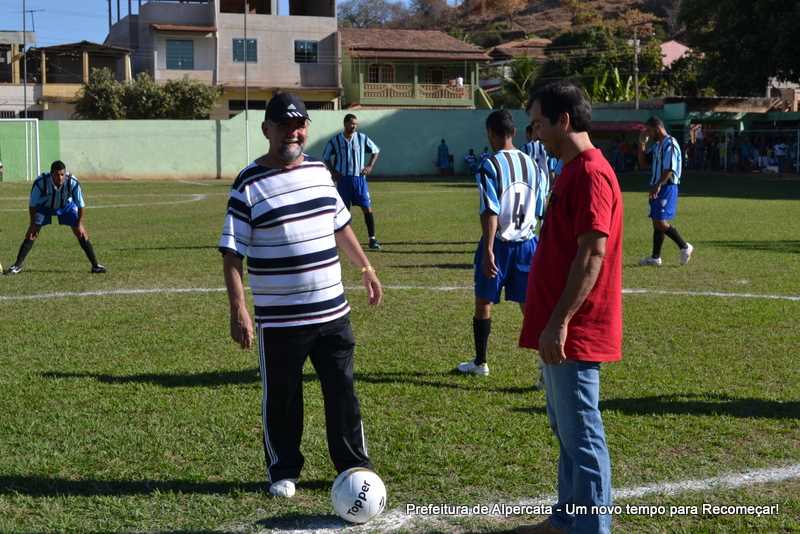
pixel 380 74
pixel 252 50
pixel 180 54
pixel 305 52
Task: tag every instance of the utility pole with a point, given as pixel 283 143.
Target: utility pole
pixel 24 59
pixel 636 64
pixel 246 93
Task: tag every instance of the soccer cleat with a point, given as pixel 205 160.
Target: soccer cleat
pixel 282 488
pixel 98 269
pixel 14 269
pixel 649 260
pixel 686 253
pixel 373 244
pixel 471 368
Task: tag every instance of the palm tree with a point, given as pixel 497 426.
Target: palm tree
pixel 518 83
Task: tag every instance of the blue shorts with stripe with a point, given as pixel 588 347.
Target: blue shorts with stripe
pixel 665 205
pixel 513 262
pixel 67 216
pixel 354 190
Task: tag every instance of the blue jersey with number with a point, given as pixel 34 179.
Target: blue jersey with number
pixel 514 188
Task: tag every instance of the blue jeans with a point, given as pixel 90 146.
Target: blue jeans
pixel 584 466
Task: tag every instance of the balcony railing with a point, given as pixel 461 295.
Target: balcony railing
pixel 410 94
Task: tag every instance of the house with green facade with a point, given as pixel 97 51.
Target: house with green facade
pixel 386 68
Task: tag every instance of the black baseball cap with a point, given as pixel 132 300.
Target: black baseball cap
pixel 284 106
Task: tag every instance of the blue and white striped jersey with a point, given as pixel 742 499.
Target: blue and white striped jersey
pixel 666 156
pixel 349 154
pixel 514 188
pixel 45 194
pixel 536 151
pixel 284 222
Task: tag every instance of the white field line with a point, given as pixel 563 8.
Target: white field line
pixel 169 290
pixel 192 198
pixel 399 519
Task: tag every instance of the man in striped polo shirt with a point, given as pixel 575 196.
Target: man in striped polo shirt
pixel 56 193
pixel 666 164
pixel 285 216
pixel 513 191
pixel 345 154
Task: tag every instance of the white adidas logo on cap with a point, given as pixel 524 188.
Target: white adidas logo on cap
pixel 291 106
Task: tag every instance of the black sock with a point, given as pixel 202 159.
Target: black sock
pixel 24 248
pixel 89 250
pixel 481 328
pixel 658 240
pixel 673 234
pixel 369 220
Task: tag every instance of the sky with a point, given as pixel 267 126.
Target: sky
pixel 68 21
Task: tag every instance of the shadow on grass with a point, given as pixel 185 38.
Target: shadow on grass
pixel 780 246
pixel 450 379
pixel 43 486
pixel 423 243
pixel 720 185
pixel 695 404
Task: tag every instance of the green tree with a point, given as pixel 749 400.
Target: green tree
pixel 744 42
pixel 190 99
pixel 369 13
pixel 688 76
pixel 101 98
pixel 145 99
pixel 517 86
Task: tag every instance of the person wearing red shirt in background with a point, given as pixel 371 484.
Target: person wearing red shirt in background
pixel 573 310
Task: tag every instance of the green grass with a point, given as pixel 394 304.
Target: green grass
pixel 135 413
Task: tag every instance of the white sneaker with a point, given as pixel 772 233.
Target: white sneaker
pixel 282 488
pixel 471 368
pixel 686 253
pixel 649 260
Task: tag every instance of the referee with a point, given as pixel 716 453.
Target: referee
pixel 345 154
pixel 56 193
pixel 285 216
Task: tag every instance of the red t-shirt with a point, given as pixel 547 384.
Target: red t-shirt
pixel 586 197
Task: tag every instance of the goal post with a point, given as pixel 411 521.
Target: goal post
pixel 20 150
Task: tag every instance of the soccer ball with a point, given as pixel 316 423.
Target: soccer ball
pixel 358 495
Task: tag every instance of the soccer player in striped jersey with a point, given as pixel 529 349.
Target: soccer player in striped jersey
pixel 285 216
pixel 513 192
pixel 345 154
pixel 536 151
pixel 56 193
pixel 666 169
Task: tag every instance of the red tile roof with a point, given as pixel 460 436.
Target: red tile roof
pixel 407 44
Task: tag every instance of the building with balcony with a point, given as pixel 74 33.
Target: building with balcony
pixel 216 42
pixel 408 68
pixel 55 75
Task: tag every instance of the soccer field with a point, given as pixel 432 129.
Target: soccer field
pixel 126 408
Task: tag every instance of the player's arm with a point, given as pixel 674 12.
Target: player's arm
pixel 373 149
pixel 666 174
pixel 641 152
pixel 583 273
pixel 346 240
pixel 241 323
pixel 329 158
pixel 489 227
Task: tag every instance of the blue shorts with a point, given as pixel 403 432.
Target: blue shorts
pixel 513 261
pixel 665 205
pixel 354 190
pixel 67 216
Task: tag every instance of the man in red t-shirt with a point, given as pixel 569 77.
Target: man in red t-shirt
pixel 573 310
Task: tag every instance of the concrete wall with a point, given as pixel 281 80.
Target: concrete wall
pixel 12 147
pixel 275 36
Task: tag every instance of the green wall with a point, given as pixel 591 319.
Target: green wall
pixel 12 148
